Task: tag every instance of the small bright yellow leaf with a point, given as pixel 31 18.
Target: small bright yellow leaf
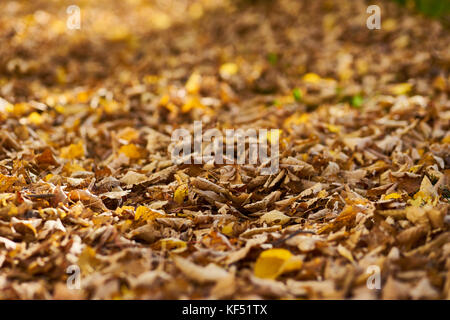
pixel 131 151
pixel 401 88
pixel 165 99
pixel 333 128
pixel 446 139
pixel 61 75
pixel 192 103
pixel 35 118
pixel 71 167
pixel 296 119
pixel 180 194
pixel 228 229
pixel 228 69
pixel 120 210
pixel 389 24
pixel 73 151
pixel 19 108
pixel 392 196
pixel 128 134
pixel 83 96
pixel 311 78
pixel 193 83
pixel 273 262
pixel 171 244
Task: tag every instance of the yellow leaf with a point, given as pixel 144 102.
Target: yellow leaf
pixel 273 262
pixel 389 24
pixel 228 229
pixel 426 194
pixel 73 151
pixel 19 108
pixel 362 67
pixel 118 33
pixel 439 83
pixel 192 103
pixel 446 139
pixel 296 119
pixel 193 83
pixel 6 182
pixel 147 214
pixel 110 106
pixel 131 151
pixel 328 22
pixel 83 96
pixel 322 194
pixel 71 167
pixel 333 128
pixel 180 194
pixel 87 261
pixel 311 78
pixel 171 244
pixel 35 118
pixel 162 21
pixel 60 109
pixel 401 42
pixel 401 88
pixel 195 10
pixel 228 69
pixel 392 196
pixel 58 27
pixel 151 79
pixel 61 75
pixel 128 134
pixel 120 210
pixel 165 99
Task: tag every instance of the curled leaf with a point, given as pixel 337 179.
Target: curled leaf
pixel 273 262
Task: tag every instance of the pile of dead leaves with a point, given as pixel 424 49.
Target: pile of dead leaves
pixel 86 177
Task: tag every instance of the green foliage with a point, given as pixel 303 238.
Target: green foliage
pixel 297 94
pixel 432 8
pixel 272 58
pixel 357 101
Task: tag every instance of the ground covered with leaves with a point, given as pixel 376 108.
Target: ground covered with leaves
pixel 87 180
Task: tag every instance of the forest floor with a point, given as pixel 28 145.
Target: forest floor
pixel 94 207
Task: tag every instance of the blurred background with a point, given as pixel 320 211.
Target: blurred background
pixel 162 42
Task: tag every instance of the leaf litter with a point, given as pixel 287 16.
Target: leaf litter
pixel 86 176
